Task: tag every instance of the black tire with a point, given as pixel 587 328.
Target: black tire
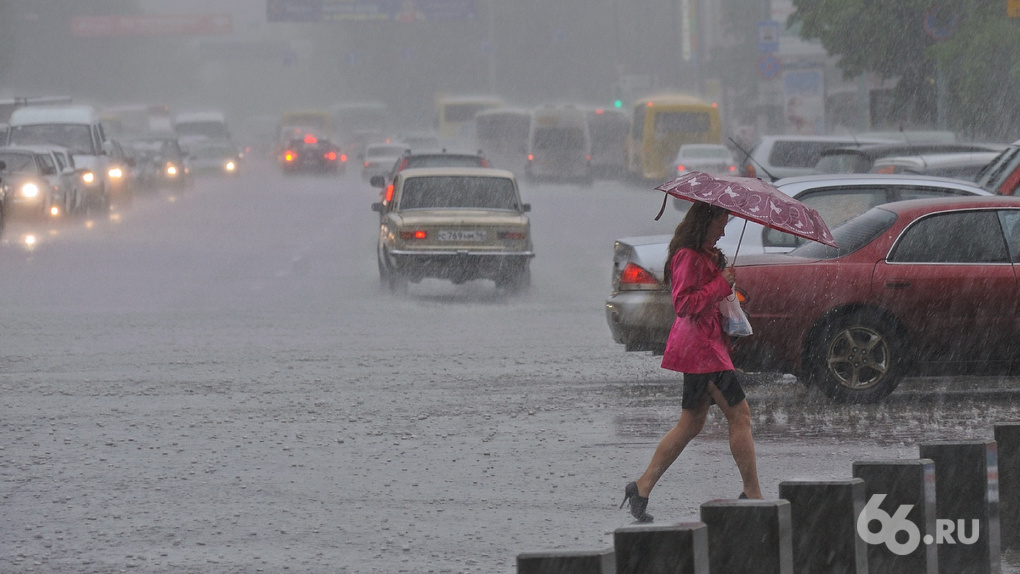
pixel 389 280
pixel 856 359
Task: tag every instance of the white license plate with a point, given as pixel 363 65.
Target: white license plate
pixel 448 235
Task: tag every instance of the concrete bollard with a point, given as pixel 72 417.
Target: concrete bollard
pixel 748 536
pixel 1007 437
pixel 823 515
pixel 667 549
pixel 567 562
pixel 966 505
pixel 895 537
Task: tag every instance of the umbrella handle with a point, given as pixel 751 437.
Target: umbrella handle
pixel 742 230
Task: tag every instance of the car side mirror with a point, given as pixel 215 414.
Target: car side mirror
pixel 377 206
pixel 525 207
pixel 377 181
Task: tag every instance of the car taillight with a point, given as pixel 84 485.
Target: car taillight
pixel 367 164
pixel 330 155
pixel 511 235
pixel 343 157
pixel 416 234
pixel 741 295
pixel 389 193
pixel 289 156
pixel 680 169
pixel 531 157
pixel 733 168
pixel 310 139
pixel 485 162
pixel 636 277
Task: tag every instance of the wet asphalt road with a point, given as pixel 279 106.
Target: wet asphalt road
pixel 212 382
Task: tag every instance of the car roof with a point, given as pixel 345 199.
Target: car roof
pixel 794 185
pixel 915 207
pixel 29 115
pixel 456 171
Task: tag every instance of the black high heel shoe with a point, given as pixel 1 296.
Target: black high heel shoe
pixel 638 503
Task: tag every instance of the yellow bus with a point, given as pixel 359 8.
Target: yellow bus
pixel 455 115
pixel 659 125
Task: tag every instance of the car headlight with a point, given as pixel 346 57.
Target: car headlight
pixel 171 169
pixel 116 173
pixel 88 177
pixel 30 190
pixel 230 166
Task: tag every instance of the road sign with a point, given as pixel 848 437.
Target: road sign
pixel 768 67
pixel 768 36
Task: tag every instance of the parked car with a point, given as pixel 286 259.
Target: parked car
pixel 379 158
pixel 640 310
pixel 963 166
pixel 34 186
pixel 457 224
pixel 311 153
pixel 712 159
pixel 776 157
pixel 919 287
pixel 860 159
pixel 1002 174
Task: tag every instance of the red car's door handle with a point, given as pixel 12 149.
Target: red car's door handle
pixel 897 284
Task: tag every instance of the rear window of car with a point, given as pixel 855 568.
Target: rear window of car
pixel 850 236
pixel 444 161
pixel 798 153
pixel 383 151
pixel 458 192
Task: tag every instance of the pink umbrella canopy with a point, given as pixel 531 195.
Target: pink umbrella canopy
pixel 754 200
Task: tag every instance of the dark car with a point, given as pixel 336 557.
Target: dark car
pixel 312 153
pixel 861 159
pixel 917 287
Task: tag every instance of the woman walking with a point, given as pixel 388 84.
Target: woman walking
pixel 698 348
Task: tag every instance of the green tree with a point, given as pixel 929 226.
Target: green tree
pixel 966 48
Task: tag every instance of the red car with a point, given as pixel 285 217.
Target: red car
pixel 916 287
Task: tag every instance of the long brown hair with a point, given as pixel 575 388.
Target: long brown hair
pixel 691 233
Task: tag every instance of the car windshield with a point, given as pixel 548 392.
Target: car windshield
pixel 19 162
pixel 458 192
pixel 850 236
pixel 75 137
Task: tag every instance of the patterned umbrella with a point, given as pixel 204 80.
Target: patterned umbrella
pixel 753 200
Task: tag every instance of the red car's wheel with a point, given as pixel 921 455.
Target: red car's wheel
pixel 857 358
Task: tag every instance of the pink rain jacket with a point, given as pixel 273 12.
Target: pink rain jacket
pixel 697 343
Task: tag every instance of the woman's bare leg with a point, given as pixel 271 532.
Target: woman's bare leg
pixel 741 443
pixel 690 424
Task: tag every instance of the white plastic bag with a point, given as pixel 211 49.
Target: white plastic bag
pixel 735 321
